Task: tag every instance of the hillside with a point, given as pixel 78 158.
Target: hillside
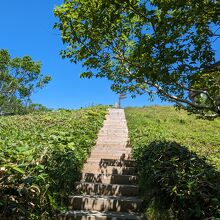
pixel 41 156
pixel 178 158
pixel 179 162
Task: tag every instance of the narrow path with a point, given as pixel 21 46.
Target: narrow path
pixel 108 187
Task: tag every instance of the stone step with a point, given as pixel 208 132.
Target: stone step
pixel 110 155
pixel 114 119
pixel 113 149
pixel 107 150
pixel 111 162
pixel 106 189
pixel 112 145
pixel 109 142
pixel 117 126
pixel 112 141
pixel 100 152
pixel 115 135
pixel 117 114
pixel 115 111
pixel 113 132
pixel 106 203
pixel 109 170
pixel 121 120
pixel 112 138
pixel 95 215
pixel 121 129
pixel 113 156
pixel 109 179
pixel 118 129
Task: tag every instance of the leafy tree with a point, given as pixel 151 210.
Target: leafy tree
pixel 19 78
pixel 147 46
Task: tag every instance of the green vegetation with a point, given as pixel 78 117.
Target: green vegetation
pixel 178 157
pixel 41 156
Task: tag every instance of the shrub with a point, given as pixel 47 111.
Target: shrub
pixel 180 180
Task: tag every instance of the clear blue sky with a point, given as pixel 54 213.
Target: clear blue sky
pixel 27 29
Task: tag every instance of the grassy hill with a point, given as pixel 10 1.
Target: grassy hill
pixel 178 157
pixel 179 162
pixel 41 156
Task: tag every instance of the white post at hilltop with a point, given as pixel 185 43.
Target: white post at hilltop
pixel 121 96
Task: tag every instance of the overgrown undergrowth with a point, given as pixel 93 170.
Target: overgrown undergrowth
pixel 41 156
pixel 179 162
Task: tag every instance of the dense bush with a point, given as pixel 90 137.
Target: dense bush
pixel 188 186
pixel 178 160
pixel 41 156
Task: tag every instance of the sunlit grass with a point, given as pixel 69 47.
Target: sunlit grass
pixel 166 123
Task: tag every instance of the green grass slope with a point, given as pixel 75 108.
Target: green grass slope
pixel 178 158
pixel 41 156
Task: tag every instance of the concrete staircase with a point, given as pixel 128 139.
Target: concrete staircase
pixel 108 188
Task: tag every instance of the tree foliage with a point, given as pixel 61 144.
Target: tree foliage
pixel 19 78
pixel 147 46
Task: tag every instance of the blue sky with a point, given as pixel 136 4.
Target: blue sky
pixel 27 29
